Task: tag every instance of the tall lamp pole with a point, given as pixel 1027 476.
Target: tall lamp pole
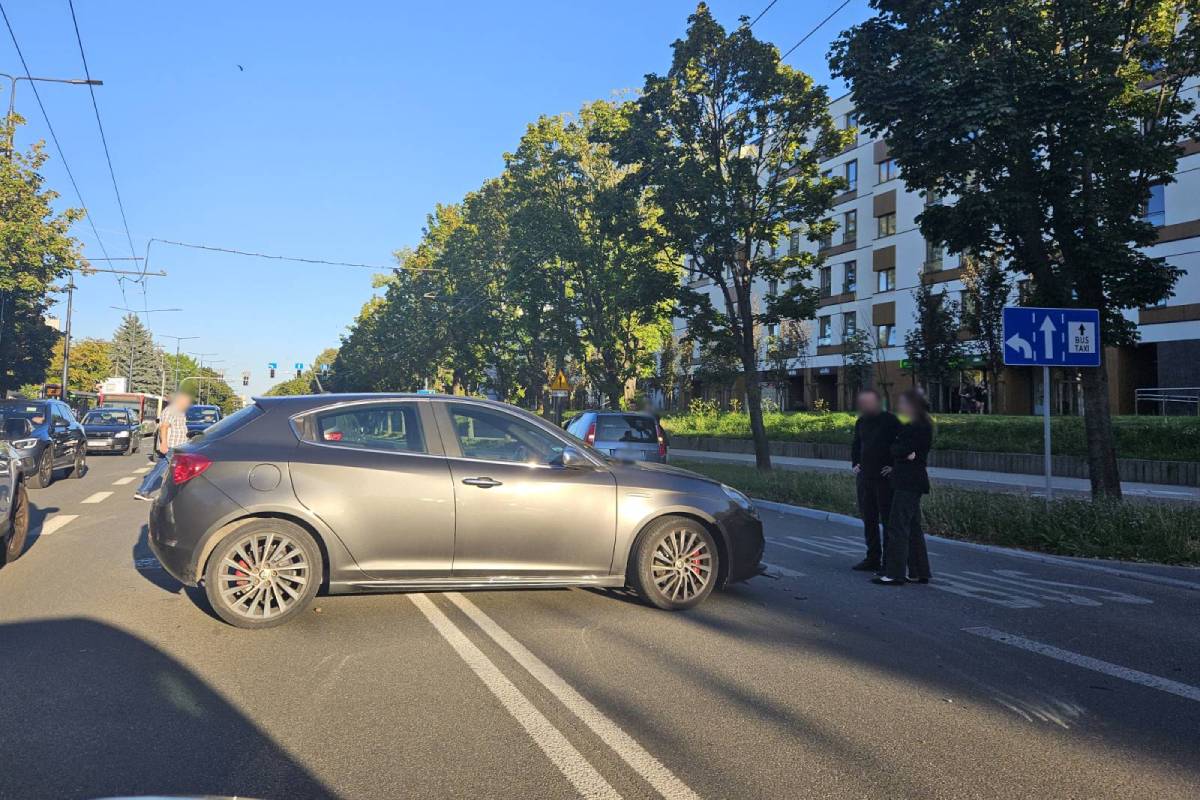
pixel 177 339
pixel 12 98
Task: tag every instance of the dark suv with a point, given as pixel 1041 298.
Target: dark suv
pixel 56 439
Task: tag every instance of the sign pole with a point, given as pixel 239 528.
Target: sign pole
pixel 1046 430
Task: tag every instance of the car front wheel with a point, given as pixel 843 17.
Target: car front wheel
pixel 263 574
pixel 674 563
pixel 14 545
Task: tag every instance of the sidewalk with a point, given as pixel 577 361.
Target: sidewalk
pixel 967 478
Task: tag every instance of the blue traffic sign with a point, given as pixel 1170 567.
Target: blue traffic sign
pixel 298 365
pixel 1052 337
pixel 273 364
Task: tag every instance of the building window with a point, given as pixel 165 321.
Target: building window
pixel 850 227
pixel 849 325
pixel 825 330
pixel 887 169
pixel 825 241
pixel 772 330
pixel 772 288
pixel 934 254
pixel 849 121
pixel 826 281
pixel 794 243
pixel 885 280
pixel 966 302
pixel 1156 207
pixel 886 224
pixel 850 173
pixel 850 278
pixel 887 335
pixel 932 198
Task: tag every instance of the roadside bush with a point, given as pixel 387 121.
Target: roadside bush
pixel 1130 530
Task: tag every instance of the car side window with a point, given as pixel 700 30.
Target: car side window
pixel 495 436
pixel 59 417
pixel 385 427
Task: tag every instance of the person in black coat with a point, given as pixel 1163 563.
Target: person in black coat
pixel 871 452
pixel 905 558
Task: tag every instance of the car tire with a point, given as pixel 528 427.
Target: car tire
pixel 45 471
pixel 79 468
pixel 14 543
pixel 674 563
pixel 247 596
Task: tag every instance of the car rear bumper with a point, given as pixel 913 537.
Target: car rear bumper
pixel 183 521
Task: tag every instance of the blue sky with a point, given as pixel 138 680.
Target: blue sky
pixel 347 124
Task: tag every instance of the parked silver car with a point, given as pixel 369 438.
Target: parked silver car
pixel 625 435
pixel 14 502
pixel 362 493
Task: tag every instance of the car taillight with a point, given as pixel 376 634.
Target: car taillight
pixel 662 441
pixel 590 436
pixel 185 466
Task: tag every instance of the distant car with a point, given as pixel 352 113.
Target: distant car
pixel 627 435
pixel 112 430
pixel 14 503
pixel 56 440
pixel 363 493
pixel 201 418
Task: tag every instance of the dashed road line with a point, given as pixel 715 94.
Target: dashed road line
pixel 56 523
pixel 1087 662
pixel 784 571
pixel 125 480
pixel 777 543
pixel 98 497
pixel 637 757
pixel 582 775
pixel 142 470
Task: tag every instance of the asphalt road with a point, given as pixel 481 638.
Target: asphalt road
pixel 1005 678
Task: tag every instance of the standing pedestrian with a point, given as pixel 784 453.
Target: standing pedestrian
pixel 905 558
pixel 871 452
pixel 172 432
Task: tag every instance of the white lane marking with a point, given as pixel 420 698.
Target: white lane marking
pixel 1087 662
pixel 833 547
pixel 1018 578
pixel 582 775
pixel 125 480
pixel 98 497
pixel 784 571
pixel 56 523
pixel 777 543
pixel 1007 597
pixel 142 471
pixel 647 766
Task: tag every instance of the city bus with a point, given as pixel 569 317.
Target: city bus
pixel 147 406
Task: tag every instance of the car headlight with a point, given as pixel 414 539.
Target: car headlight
pixel 121 434
pixel 25 444
pixel 739 498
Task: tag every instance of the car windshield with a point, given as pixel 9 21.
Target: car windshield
pixel 626 428
pixel 203 415
pixel 106 418
pixel 36 413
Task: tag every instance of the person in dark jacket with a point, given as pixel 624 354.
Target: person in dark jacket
pixel 905 557
pixel 871 452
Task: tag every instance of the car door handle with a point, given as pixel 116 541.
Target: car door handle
pixel 482 482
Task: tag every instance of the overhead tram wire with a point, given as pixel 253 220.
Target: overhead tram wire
pixel 100 125
pixel 273 257
pixel 818 27
pixel 761 13
pixel 57 145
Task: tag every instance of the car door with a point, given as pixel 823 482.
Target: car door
pixel 374 472
pixel 61 437
pixel 516 514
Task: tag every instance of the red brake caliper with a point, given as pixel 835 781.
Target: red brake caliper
pixel 695 557
pixel 241 574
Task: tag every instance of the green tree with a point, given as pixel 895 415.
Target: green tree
pixel 91 363
pixel 730 143
pixel 987 291
pixel 1049 122
pixel 136 357
pixel 35 249
pixel 860 360
pixel 932 344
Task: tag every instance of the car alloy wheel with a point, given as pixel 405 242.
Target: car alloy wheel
pixel 19 529
pixel 45 473
pixel 263 573
pixel 80 467
pixel 675 563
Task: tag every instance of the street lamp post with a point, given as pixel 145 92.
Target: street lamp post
pixel 177 339
pixel 12 98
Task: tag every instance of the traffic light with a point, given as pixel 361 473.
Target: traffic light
pixel 245 379
pixel 271 366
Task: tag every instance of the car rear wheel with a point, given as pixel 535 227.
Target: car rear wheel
pixel 263 574
pixel 45 471
pixel 14 545
pixel 79 468
pixel 674 563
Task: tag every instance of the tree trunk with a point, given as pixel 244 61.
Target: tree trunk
pixel 1097 424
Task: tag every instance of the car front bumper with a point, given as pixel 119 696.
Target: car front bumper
pixel 746 543
pixel 108 445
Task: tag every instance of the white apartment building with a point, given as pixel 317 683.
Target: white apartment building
pixel 878 257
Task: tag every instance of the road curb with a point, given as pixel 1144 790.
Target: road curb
pixel 1095 565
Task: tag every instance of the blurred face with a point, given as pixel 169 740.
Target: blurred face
pixel 867 403
pixel 906 407
pixel 183 402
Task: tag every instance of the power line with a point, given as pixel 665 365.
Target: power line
pixel 820 25
pixel 103 139
pixel 54 138
pixel 299 259
pixel 760 14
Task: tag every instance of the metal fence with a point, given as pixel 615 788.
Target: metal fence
pixel 1178 401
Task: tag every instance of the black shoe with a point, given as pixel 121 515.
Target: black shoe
pixel 918 580
pixel 884 580
pixel 866 566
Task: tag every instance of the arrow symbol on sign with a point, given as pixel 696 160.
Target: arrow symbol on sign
pixel 1082 330
pixel 1020 345
pixel 1048 343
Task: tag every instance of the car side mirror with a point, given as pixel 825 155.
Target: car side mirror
pixel 570 458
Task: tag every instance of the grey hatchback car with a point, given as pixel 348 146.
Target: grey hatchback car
pixel 626 435
pixel 373 492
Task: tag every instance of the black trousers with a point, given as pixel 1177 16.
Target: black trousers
pixel 905 554
pixel 875 505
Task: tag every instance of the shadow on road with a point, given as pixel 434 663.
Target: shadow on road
pixel 91 711
pixel 37 518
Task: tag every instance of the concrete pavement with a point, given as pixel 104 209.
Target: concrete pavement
pixel 1004 678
